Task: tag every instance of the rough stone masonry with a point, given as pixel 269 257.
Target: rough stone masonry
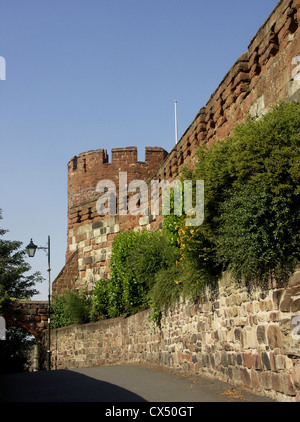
pixel 247 338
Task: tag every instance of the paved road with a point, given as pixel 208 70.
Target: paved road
pixel 126 383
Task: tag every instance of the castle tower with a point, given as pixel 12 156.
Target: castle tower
pixel 90 235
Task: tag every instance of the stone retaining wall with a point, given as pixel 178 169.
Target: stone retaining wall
pixel 248 338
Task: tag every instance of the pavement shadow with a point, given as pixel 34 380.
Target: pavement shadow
pixel 61 386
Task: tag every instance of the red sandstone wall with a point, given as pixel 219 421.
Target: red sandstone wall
pixel 67 277
pixel 259 79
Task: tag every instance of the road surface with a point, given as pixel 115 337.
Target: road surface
pixel 124 383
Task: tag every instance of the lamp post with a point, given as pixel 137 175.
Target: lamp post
pixel 31 249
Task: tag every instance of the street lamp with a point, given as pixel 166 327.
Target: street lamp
pixel 31 249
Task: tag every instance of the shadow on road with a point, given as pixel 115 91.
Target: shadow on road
pixel 61 386
pixel 119 383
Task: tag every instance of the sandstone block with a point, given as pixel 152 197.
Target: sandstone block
pixel 256 361
pixel 283 383
pixel 88 260
pixel 250 338
pixel 295 305
pixel 266 361
pixel 261 334
pixel 266 380
pixel 245 377
pixel 274 336
pixel 110 221
pixel 97 225
pixel 296 376
pixel 101 239
pixel 248 360
pixel 255 380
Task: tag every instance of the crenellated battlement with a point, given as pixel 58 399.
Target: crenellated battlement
pixel 88 168
pixel 87 160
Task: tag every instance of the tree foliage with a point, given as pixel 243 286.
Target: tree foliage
pixel 15 283
pixel 252 195
pixel 136 259
pixel 15 351
pixel 70 308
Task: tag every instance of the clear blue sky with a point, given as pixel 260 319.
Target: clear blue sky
pixel 89 74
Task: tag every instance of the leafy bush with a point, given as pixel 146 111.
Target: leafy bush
pixel 70 308
pixel 264 151
pixel 196 263
pixel 252 196
pixel 259 234
pixel 166 290
pixel 100 300
pixel 136 258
